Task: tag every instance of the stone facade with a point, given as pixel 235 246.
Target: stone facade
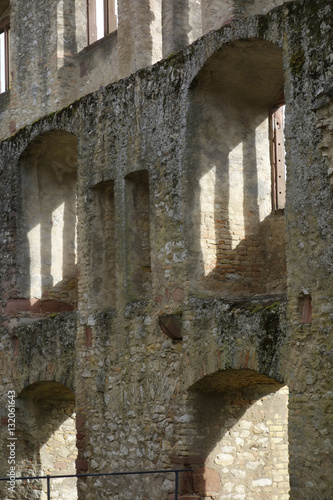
pixel 156 311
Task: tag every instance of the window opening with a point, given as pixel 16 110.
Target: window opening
pixel 4 55
pixel 278 157
pixel 102 18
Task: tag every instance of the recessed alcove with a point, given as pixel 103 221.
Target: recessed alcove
pixel 235 234
pixel 237 435
pixel 47 222
pixel 46 440
pixel 138 257
pixel 102 257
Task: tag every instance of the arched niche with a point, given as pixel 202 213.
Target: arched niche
pixel 235 235
pixel 237 437
pixel 47 223
pixel 46 440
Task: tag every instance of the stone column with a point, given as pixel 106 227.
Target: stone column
pixel 139 34
pixel 181 24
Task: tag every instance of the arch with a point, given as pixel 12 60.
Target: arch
pixel 46 439
pixel 238 335
pixel 237 437
pixel 47 280
pixel 237 241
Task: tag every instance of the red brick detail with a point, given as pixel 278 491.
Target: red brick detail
pixel 19 305
pixel 188 460
pixel 306 312
pixel 79 422
pixel 81 464
pixel 15 345
pixel 12 127
pixel 187 482
pixel 178 295
pixel 206 481
pixel 55 306
pixel 4 420
pixel 80 445
pixel 35 305
pixel 88 336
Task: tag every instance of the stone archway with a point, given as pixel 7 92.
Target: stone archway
pixel 46 440
pixel 235 235
pixel 47 281
pixel 238 437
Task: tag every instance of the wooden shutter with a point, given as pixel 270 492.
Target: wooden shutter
pixel 278 161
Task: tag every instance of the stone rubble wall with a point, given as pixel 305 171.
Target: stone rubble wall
pixel 52 66
pixel 134 385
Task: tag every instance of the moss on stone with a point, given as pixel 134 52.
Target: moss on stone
pixel 257 309
pixel 263 25
pixel 297 61
pixel 272 306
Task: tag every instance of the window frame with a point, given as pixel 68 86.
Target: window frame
pixel 276 121
pixel 5 28
pixel 110 19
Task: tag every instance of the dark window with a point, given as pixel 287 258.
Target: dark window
pixel 102 18
pixel 4 55
pixel 278 157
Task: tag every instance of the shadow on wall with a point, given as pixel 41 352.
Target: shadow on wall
pixel 47 224
pixel 176 25
pixel 238 437
pixel 139 34
pixel 71 39
pixel 46 440
pixel 237 240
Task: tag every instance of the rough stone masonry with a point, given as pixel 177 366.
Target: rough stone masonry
pixel 158 311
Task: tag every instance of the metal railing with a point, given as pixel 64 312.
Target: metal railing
pixel 48 477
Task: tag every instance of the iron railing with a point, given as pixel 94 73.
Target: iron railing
pixel 48 477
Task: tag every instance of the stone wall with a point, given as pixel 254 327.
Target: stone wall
pixel 47 231
pixel 241 439
pixel 48 76
pixel 46 433
pixel 229 199
pixel 157 369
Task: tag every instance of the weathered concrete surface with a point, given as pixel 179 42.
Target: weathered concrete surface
pixel 144 400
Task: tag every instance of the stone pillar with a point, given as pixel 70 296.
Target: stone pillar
pixel 181 24
pixel 139 34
